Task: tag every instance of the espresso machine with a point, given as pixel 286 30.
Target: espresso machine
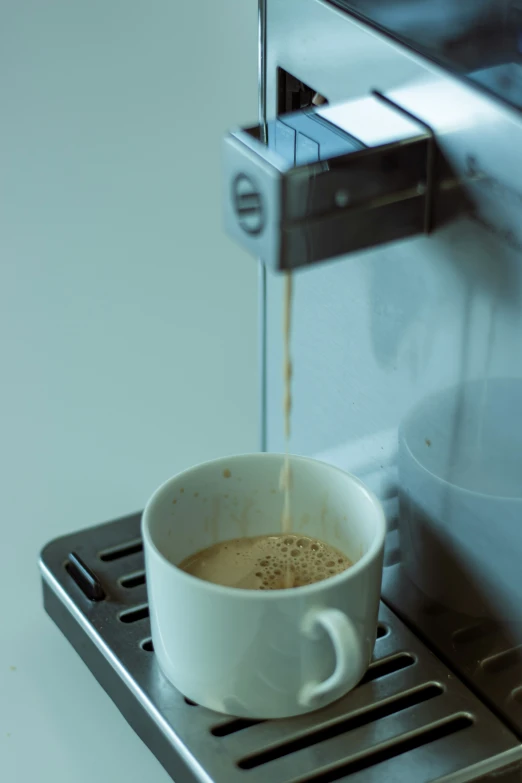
pixel 385 169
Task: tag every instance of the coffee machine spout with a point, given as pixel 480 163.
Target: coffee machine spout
pixel 328 180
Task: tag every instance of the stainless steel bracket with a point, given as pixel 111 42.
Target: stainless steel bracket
pixel 318 183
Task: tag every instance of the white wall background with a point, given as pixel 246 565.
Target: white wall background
pixel 127 321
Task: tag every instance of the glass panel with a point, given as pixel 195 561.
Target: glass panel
pixel 480 39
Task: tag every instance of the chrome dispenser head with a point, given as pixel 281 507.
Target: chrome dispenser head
pixel 325 181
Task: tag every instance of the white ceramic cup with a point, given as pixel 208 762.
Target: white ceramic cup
pixel 262 654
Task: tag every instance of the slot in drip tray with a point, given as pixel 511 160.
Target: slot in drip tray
pixel 409 719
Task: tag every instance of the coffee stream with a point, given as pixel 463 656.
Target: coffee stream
pixel 283 560
pixel 285 478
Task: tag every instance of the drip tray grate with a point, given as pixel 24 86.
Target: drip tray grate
pixel 408 720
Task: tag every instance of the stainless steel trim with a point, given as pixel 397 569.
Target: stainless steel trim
pixel 261 60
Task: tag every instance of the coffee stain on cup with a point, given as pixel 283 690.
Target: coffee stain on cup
pixel 226 473
pixel 214 519
pixel 242 519
pixel 337 528
pixel 323 515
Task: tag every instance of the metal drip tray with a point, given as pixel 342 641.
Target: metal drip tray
pixel 410 719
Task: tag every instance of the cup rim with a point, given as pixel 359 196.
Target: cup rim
pixel 279 593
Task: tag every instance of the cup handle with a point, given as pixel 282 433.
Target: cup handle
pixel 348 653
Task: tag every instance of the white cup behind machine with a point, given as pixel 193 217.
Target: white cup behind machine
pixel 460 492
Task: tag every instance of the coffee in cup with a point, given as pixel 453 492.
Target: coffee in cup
pixel 268 562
